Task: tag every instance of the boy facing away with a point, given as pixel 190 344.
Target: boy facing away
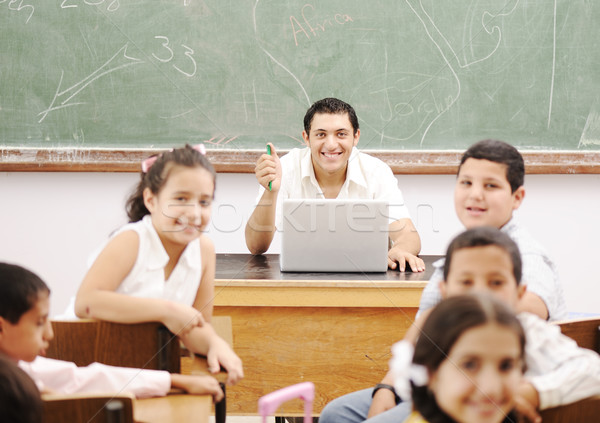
pixel 330 167
pixel 26 331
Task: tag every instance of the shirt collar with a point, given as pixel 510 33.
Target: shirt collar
pixel 157 257
pixel 509 226
pixel 353 173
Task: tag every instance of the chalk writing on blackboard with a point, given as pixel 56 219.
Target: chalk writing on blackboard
pixel 303 26
pixel 20 6
pixel 168 55
pixel 421 75
pixel 112 5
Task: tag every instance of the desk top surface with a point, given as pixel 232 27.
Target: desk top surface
pixel 174 408
pixel 248 267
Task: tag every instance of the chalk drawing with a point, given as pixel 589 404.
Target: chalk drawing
pixel 107 68
pixel 591 130
pixel 275 60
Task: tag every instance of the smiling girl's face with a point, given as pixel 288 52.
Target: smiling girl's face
pixel 478 380
pixel 182 208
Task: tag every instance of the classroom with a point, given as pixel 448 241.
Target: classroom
pixel 123 81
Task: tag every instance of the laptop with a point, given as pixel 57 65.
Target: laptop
pixel 321 235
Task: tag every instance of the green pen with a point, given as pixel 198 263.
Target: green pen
pixel 269 153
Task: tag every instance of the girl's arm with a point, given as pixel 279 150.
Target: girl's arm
pixel 97 298
pixel 205 340
pixel 204 300
pixel 197 385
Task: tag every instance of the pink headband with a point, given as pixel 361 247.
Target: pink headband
pixel 147 163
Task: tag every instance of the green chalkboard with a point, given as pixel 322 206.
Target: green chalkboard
pixel 422 74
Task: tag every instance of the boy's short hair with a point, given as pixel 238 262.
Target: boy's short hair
pixel 484 236
pixel 330 106
pixel 499 152
pixel 20 400
pixel 19 291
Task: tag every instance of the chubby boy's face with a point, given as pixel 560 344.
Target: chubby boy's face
pixel 482 195
pixel 31 335
pixel 483 269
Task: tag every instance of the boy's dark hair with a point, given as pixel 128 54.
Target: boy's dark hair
pixel 20 400
pixel 330 106
pixel 158 173
pixel 450 319
pixel 484 236
pixel 499 152
pixel 19 291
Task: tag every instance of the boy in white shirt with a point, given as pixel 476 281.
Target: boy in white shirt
pixel 558 372
pixel 489 188
pixel 485 259
pixel 26 331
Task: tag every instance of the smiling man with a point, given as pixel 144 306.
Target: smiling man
pixel 330 167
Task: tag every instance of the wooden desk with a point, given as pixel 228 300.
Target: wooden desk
pixel 86 407
pixel 333 329
pixel 177 408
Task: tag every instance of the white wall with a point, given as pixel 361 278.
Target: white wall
pixel 51 222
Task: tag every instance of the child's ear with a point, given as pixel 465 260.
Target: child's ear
pixel 521 289
pixel 149 198
pixel 518 197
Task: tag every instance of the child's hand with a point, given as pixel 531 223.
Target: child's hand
pixel 198 385
pixel 268 169
pixel 527 401
pixel 180 318
pixel 221 354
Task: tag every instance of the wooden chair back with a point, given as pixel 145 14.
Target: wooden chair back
pixel 584 411
pixel 88 408
pixel 586 332
pixel 143 345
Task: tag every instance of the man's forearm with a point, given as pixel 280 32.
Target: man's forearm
pixel 260 228
pixel 404 235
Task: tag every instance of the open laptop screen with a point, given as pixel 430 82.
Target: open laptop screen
pixel 322 235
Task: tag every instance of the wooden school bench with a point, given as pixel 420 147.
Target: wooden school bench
pixel 332 329
pixel 123 408
pixel 143 345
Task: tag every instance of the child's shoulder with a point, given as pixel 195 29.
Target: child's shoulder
pixel 523 238
pixel 207 245
pixel 539 331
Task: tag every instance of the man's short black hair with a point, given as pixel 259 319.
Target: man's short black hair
pixel 330 106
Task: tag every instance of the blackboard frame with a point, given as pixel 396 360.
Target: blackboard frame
pixel 403 162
